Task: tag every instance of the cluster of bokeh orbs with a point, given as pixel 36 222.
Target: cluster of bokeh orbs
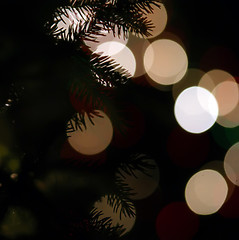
pixel 201 100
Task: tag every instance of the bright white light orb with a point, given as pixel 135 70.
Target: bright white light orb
pixel 206 191
pixel 121 54
pixel 196 109
pixel 165 62
pixel 94 138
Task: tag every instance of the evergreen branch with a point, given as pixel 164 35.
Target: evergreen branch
pixel 135 162
pixel 108 72
pixel 103 225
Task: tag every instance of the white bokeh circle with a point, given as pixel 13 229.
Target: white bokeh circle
pixel 196 109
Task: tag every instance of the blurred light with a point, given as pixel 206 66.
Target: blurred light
pixel 138 46
pixel 108 211
pixel 95 138
pixel 106 36
pixel 165 62
pixel 196 109
pixel 212 78
pixel 176 221
pixel 143 184
pixel 192 78
pixel 17 223
pixel 206 192
pixel 231 164
pixel 158 18
pixel 14 176
pixel 186 149
pixel 227 96
pixel 118 52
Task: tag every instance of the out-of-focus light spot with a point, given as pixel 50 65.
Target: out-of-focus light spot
pixel 14 176
pixel 176 221
pixel 231 164
pixel 230 120
pixel 121 54
pixel 18 223
pixel 214 77
pixel 95 138
pixel 117 219
pixel 186 149
pixel 227 96
pixel 196 110
pixel 191 78
pixel 143 184
pixel 106 36
pixel 165 62
pixel 138 46
pixel 206 192
pixel 110 48
pixel 159 18
pixel 77 159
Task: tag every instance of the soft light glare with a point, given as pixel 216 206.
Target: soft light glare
pixel 206 191
pixel 196 110
pixel 121 54
pixel 95 138
pixel 165 62
pixel 231 164
pixel 108 211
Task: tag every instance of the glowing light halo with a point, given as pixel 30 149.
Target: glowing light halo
pixel 95 138
pixel 205 192
pixel 196 109
pixel 108 211
pixel 120 53
pixel 165 62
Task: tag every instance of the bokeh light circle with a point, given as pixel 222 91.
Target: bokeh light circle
pixel 127 222
pixel 206 191
pixel 231 164
pixel 120 54
pixel 227 96
pixel 165 62
pixel 93 139
pixel 196 109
